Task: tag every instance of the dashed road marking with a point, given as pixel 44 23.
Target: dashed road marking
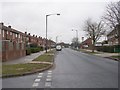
pixel 49 76
pixel 35 84
pixel 37 80
pixel 40 73
pixel 48 79
pixel 39 76
pixel 49 71
pixel 48 84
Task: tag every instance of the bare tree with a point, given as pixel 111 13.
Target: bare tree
pixel 75 42
pixel 112 15
pixel 94 31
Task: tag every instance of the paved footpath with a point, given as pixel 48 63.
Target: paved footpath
pixel 103 54
pixel 25 59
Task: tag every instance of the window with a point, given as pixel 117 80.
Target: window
pixel 16 35
pixel 0 31
pixel 3 33
pixel 19 35
pixel 10 33
pixel 7 32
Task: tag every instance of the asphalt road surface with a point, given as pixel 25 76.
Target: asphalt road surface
pixel 72 69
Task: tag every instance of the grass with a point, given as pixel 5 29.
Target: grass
pixel 116 56
pixel 19 69
pixel 47 57
pixel 89 52
pixel 16 69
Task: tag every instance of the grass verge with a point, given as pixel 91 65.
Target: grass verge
pixel 19 69
pixel 28 68
pixel 89 52
pixel 116 57
pixel 47 57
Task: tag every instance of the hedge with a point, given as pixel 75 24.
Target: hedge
pixel 110 49
pixel 33 50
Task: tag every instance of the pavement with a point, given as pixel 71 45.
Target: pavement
pixel 72 69
pixel 25 59
pixel 103 54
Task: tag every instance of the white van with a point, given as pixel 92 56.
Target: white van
pixel 58 47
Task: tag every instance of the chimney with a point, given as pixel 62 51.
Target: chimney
pixel 25 33
pixel 28 33
pixel 2 23
pixel 36 35
pixel 9 26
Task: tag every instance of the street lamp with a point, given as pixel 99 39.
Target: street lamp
pixel 76 35
pixel 46 27
pixel 57 38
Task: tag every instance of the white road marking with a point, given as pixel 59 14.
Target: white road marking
pixel 49 71
pixel 40 73
pixel 35 84
pixel 47 84
pixel 48 79
pixel 49 76
pixel 39 76
pixel 37 80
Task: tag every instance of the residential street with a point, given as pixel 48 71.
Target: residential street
pixel 72 69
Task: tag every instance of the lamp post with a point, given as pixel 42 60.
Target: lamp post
pixel 76 36
pixel 46 28
pixel 57 38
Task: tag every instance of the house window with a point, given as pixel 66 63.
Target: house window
pixel 19 35
pixel 10 33
pixel 0 31
pixel 7 32
pixel 16 35
pixel 3 33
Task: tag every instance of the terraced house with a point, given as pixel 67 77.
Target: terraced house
pixel 13 42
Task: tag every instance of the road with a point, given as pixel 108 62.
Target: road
pixel 72 69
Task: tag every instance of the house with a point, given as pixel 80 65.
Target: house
pixel 12 43
pixel 87 44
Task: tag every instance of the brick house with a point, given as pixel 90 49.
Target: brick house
pixel 12 43
pixel 87 44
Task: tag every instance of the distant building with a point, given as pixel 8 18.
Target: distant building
pixel 87 44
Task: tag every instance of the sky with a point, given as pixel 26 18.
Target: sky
pixel 30 16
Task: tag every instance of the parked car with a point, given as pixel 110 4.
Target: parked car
pixel 58 47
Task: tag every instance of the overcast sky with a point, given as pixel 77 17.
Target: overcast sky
pixel 30 16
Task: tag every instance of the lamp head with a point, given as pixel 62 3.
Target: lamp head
pixel 58 14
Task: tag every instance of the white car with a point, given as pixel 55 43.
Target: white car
pixel 58 47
